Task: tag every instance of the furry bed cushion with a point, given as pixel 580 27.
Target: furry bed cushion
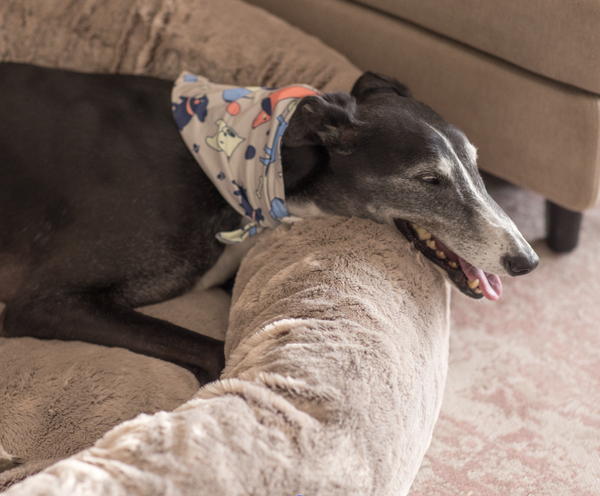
pixel 57 398
pixel 336 362
pixel 227 41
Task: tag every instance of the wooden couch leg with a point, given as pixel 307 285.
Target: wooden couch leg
pixel 562 227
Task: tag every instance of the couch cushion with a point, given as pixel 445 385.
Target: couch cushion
pixel 530 130
pixel 552 38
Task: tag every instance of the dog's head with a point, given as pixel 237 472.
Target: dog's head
pixel 380 154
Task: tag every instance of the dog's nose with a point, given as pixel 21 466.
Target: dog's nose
pixel 520 265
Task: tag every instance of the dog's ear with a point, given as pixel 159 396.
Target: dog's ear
pixel 371 82
pixel 326 120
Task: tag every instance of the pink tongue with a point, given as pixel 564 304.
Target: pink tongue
pixel 490 284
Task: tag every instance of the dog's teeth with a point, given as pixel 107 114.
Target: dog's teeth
pixel 440 254
pixel 478 291
pixel 473 284
pixel 431 244
pixel 422 233
pixel 454 265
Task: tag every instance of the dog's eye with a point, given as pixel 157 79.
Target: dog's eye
pixel 431 180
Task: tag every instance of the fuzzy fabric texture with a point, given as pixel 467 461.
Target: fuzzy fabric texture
pixel 228 41
pixel 336 363
pixel 57 398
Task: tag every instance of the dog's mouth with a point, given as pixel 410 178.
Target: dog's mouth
pixel 470 280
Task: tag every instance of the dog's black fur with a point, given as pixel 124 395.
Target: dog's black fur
pixel 104 209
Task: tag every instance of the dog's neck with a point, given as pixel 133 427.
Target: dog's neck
pixel 301 167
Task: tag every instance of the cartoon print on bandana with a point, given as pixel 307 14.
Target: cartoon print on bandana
pixel 268 104
pixel 252 184
pixel 231 96
pixel 278 209
pixel 273 150
pixel 254 214
pixel 225 140
pixel 187 108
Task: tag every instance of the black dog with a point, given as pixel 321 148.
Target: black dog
pixel 103 208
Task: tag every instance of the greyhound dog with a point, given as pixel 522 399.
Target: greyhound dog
pixel 104 209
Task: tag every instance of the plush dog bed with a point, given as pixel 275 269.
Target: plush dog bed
pixel 336 362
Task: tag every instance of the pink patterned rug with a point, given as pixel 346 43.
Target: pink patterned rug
pixel 521 411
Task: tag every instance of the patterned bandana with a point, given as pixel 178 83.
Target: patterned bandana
pixel 235 135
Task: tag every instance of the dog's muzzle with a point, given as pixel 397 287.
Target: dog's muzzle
pixel 469 279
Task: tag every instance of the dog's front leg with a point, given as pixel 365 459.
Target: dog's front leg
pixel 97 320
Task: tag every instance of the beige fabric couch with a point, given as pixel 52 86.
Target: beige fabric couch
pixel 522 79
